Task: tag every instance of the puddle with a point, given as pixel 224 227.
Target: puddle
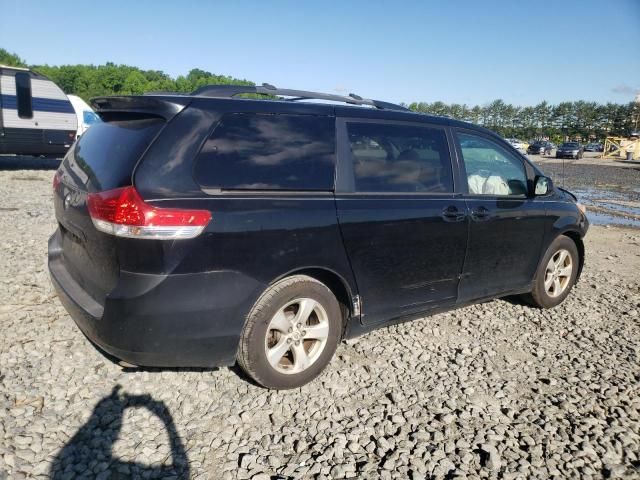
pixel 611 207
pixel 598 218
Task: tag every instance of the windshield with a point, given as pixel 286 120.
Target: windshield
pixel 570 145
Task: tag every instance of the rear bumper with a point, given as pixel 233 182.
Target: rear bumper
pixel 186 320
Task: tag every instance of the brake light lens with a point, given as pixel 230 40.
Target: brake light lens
pixel 122 212
pixel 57 178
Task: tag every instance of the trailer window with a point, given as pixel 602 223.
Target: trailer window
pixel 23 94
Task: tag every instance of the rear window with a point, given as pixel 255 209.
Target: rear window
pixel 106 154
pixel 268 152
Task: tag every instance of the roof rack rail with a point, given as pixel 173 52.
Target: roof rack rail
pixel 228 91
pixel 155 93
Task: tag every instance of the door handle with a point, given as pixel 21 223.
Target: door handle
pixel 452 214
pixel 480 213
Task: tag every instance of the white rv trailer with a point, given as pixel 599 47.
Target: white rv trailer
pixel 36 117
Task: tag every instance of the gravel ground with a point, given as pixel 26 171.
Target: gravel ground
pixel 497 390
pixel 592 172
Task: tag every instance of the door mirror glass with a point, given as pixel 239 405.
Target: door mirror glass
pixel 543 185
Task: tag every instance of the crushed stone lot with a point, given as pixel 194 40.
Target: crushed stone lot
pixel 497 390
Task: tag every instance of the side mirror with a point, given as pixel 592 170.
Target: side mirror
pixel 543 186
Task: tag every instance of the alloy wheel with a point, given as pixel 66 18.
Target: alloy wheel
pixel 557 275
pixel 296 336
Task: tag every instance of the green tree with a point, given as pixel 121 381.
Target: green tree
pixel 584 119
pixel 11 59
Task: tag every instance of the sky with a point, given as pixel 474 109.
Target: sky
pixel 462 51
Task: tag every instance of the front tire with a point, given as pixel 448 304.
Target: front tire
pixel 556 274
pixel 291 333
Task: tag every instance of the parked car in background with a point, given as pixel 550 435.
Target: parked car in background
pixel 540 147
pixel 204 230
pixel 36 117
pixel 594 147
pixel 570 150
pixel 84 113
pixel 517 144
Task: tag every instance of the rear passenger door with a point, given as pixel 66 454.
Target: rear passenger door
pixel 404 229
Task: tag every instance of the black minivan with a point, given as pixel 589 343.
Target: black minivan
pixel 207 229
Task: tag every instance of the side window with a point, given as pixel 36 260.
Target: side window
pixel 269 152
pixel 23 94
pixel 399 158
pixel 491 170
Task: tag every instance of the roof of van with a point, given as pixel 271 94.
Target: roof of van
pixel 276 100
pixel 343 105
pixel 168 103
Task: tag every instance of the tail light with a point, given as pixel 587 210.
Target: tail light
pixel 57 178
pixel 123 213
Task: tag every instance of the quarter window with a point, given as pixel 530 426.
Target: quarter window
pixel 491 170
pixel 399 158
pixel 23 95
pixel 269 152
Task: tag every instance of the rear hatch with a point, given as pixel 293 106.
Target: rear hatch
pixel 104 158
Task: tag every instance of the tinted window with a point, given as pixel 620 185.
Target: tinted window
pixel 399 158
pixel 491 170
pixel 269 152
pixel 23 94
pixel 105 155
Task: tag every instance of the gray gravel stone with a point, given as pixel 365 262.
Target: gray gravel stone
pixel 487 391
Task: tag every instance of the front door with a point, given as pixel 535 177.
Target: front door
pixel 506 223
pixel 404 229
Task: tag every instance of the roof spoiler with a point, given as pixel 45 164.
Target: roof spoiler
pixel 166 107
pixel 228 91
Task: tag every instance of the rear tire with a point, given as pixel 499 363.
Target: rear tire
pixel 291 333
pixel 556 274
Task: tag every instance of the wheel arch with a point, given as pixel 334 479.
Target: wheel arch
pixel 577 239
pixel 334 282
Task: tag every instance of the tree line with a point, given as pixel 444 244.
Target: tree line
pixel 88 81
pixel 580 119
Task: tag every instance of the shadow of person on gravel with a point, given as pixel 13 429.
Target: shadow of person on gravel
pixel 94 441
